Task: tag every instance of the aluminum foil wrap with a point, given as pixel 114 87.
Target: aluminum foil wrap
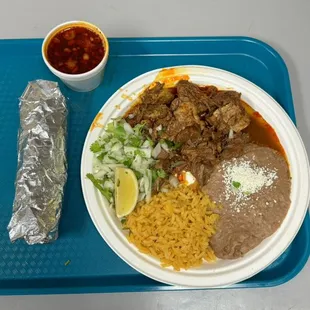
pixel 42 169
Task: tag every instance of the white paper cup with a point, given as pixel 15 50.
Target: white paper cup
pixel 85 81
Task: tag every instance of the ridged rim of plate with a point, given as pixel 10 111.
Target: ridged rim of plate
pixel 223 272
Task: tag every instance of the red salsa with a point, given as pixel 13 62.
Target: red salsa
pixel 75 50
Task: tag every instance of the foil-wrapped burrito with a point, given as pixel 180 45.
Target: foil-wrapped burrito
pixel 42 169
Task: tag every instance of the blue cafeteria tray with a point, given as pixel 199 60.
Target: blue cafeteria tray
pixel 80 261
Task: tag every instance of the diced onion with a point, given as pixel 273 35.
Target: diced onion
pixel 141 185
pixel 131 116
pixel 146 143
pixel 150 131
pixel 149 194
pixel 130 150
pixel 173 181
pixel 156 151
pixel 165 147
pixel 141 196
pixel 128 128
pixel 100 174
pixel 109 184
pixel 159 128
pixel 146 151
pixel 117 149
pixel 231 134
pixel 137 163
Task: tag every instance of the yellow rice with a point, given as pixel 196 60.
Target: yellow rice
pixel 174 227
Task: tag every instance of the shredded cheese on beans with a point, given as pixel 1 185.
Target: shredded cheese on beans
pixel 244 178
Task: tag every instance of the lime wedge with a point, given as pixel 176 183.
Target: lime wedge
pixel 126 191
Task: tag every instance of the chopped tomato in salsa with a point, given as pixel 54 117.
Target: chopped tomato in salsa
pixel 75 50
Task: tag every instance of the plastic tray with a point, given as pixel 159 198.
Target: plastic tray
pixel 80 261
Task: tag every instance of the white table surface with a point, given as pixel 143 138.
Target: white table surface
pixel 285 24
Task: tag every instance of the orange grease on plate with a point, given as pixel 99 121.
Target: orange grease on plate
pixel 124 96
pixel 171 76
pixel 96 123
pixel 152 85
pixel 261 131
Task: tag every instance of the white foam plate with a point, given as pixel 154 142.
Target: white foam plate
pixel 223 272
